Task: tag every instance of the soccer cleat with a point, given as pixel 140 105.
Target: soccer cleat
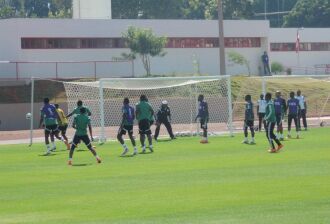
pixel 279 148
pixel 245 141
pixel 98 160
pixel 151 148
pixel 70 162
pixel 125 152
pixel 204 141
pixel 135 152
pixel 272 151
pixel 143 149
pixel 252 142
pixel 48 153
pixel 53 149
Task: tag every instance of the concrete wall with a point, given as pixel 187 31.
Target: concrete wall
pixel 306 59
pixel 13 116
pixel 176 60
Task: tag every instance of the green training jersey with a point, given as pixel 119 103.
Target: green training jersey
pixel 143 111
pixel 77 110
pixel 81 121
pixel 270 112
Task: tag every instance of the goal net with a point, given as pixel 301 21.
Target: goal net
pixel 105 100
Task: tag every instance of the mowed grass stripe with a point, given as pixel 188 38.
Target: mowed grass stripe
pixel 182 182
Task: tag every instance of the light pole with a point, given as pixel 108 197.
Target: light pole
pixel 221 40
pixel 298 46
pixel 265 9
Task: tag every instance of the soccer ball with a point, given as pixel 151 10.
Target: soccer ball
pixel 28 116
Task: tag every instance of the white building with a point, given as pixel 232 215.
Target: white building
pixel 69 48
pixel 87 9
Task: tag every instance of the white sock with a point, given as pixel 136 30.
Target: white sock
pixel 53 144
pixel 48 147
pixel 124 146
pixel 252 139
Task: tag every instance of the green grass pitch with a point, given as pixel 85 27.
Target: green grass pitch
pixel 224 182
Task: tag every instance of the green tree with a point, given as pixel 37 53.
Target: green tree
pixel 36 8
pixel 128 9
pixel 6 9
pixel 208 9
pixel 239 59
pixel 271 7
pixel 144 43
pixel 309 13
pixel 60 9
pixel 146 9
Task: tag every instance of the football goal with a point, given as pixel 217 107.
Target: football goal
pixel 105 100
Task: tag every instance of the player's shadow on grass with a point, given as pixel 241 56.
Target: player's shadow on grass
pixel 82 164
pixel 126 156
pixel 46 155
pixel 145 153
pixel 164 140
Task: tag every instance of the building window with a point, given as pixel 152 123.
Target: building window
pixel 302 47
pixel 173 42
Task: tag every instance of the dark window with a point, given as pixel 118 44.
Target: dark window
pixel 93 43
pixel 302 46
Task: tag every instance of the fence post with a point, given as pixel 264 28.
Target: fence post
pixel 32 111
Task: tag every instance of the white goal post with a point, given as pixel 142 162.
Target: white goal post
pixel 105 100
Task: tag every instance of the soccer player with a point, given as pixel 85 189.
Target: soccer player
pixel 144 114
pixel 293 109
pixel 80 123
pixel 261 108
pixel 302 111
pixel 270 119
pixel 249 120
pixel 48 118
pixel 127 126
pixel 203 115
pixel 62 123
pixel 163 116
pixel 76 111
pixel 280 110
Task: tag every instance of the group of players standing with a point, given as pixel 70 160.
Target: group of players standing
pixel 55 122
pixel 271 113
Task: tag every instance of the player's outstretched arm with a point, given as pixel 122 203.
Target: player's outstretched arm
pixel 69 115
